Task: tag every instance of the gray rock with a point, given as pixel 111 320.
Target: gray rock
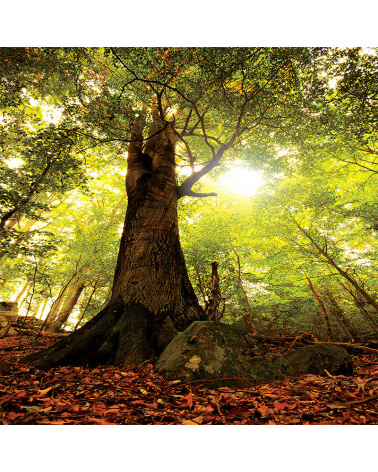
pixel 8 332
pixel 314 359
pixel 220 355
pixel 8 311
pixel 5 319
pixel 9 306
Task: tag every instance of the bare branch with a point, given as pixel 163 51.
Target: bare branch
pixel 191 193
pixel 185 189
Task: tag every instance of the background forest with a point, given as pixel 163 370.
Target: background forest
pixel 293 227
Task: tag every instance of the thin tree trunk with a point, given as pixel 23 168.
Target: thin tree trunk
pixel 31 193
pixel 216 298
pixel 200 284
pixel 21 216
pixel 247 305
pixel 21 294
pixel 55 307
pixel 11 223
pixel 323 310
pixel 329 259
pixel 42 309
pixel 73 294
pixel 359 304
pixel 39 303
pixel 340 315
pixel 87 304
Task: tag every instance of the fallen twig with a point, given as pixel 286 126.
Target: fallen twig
pixel 339 406
pixel 358 402
pixel 352 346
pixel 302 336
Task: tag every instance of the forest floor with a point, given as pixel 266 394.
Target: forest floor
pixel 139 396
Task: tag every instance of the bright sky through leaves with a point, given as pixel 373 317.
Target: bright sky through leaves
pixel 244 181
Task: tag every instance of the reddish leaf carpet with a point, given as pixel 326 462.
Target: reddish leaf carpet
pixel 116 396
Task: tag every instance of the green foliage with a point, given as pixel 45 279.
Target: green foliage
pixel 305 117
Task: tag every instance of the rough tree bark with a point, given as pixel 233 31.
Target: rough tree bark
pixel 152 296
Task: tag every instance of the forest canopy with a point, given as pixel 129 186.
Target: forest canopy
pixel 302 120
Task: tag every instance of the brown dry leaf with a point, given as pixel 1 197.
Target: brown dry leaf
pixel 273 397
pixel 84 391
pixel 12 415
pixel 21 394
pixel 189 399
pixel 99 420
pixel 43 392
pixel 281 406
pixel 197 420
pixel 346 415
pixel 239 411
pixel 205 409
pixel 46 409
pixel 336 406
pixel 265 411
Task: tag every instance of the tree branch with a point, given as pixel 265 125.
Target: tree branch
pixel 185 189
pixel 191 193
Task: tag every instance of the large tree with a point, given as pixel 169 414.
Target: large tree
pixel 174 109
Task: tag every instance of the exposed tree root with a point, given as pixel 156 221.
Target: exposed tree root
pixel 118 335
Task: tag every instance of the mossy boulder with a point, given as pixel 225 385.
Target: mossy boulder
pixel 219 355
pixel 315 359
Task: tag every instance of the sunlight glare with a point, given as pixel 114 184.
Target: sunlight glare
pixel 50 114
pixel 242 180
pixel 14 162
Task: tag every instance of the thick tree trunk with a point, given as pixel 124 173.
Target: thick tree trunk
pixel 73 295
pixel 152 296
